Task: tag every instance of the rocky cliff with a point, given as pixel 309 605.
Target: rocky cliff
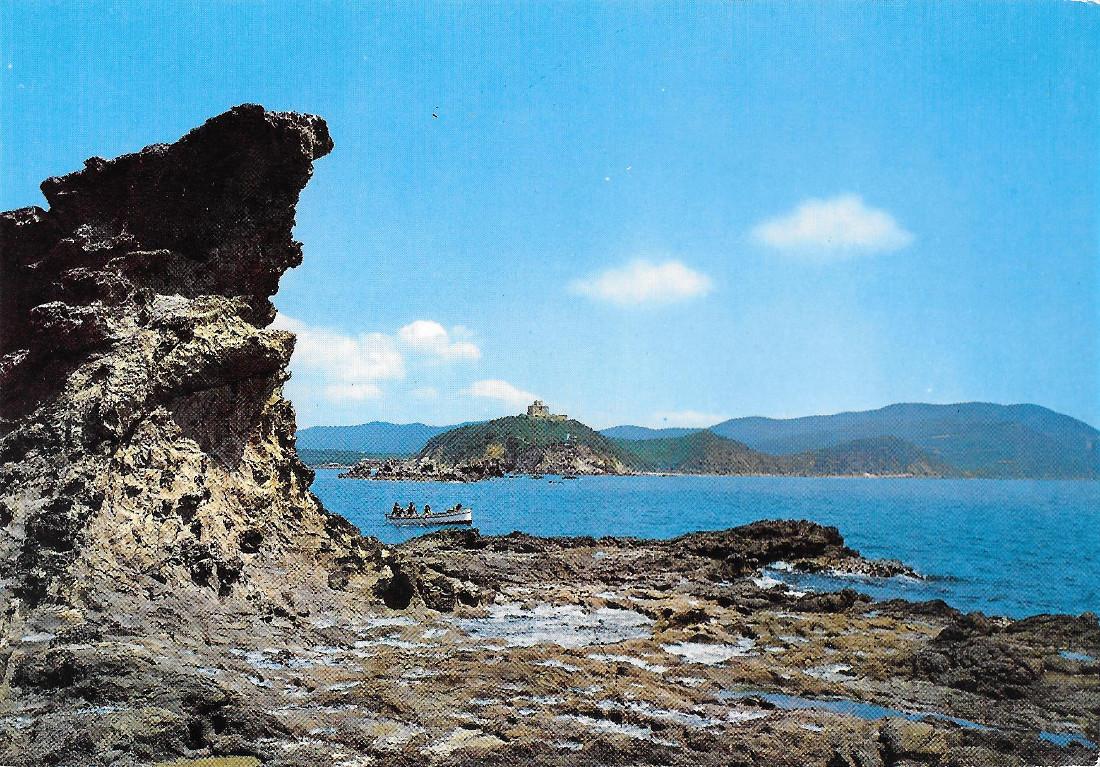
pixel 147 450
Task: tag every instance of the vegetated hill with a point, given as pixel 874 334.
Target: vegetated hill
pixel 979 439
pixel 630 433
pixel 701 452
pixel 705 452
pixel 972 439
pixel 524 443
pixel 876 456
pixel 375 438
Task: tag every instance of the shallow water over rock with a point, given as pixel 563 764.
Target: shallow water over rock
pixel 843 707
pixel 564 625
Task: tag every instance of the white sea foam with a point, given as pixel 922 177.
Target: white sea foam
pixel 605 725
pixel 685 718
pixel 710 654
pixel 568 745
pixel 637 662
pixel 42 636
pixel 835 672
pixel 385 621
pixel 765 581
pixel 564 625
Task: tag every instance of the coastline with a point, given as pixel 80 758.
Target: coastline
pixel 345 467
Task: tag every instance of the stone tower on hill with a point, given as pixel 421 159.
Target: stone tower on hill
pixel 539 409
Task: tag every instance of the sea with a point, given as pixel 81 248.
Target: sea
pixel 1004 547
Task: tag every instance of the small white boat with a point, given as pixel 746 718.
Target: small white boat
pixel 463 516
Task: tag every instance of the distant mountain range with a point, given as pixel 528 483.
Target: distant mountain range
pixel 378 438
pixel 966 439
pixel 704 452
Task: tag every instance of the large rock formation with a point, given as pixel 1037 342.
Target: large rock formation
pixel 147 450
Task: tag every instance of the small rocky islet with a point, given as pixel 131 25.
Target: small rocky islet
pixel 173 593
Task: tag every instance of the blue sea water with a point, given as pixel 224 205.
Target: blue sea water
pixel 1005 547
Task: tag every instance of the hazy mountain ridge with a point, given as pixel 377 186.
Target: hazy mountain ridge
pixel 705 452
pixel 374 438
pixel 969 439
pixel 977 438
pixel 630 433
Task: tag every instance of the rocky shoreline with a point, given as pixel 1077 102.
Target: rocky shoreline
pixel 471 649
pixel 173 594
pixel 563 460
pixel 422 470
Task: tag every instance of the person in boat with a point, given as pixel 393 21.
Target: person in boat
pixel 396 510
pixel 427 510
pixel 411 510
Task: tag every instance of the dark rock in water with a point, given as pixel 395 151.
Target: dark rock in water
pixel 423 470
pixel 762 543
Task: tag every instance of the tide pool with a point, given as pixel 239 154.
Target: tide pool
pixel 1005 547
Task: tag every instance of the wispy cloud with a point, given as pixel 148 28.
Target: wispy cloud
pixel 834 228
pixel 694 419
pixel 430 338
pixel 643 282
pixel 352 392
pixel 502 391
pixel 348 366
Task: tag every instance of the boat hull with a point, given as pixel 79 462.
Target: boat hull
pixel 435 520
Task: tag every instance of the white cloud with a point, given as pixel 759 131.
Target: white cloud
pixel 425 392
pixel 502 391
pixel 429 337
pixel 644 282
pixel 354 392
pixel 349 366
pixel 839 227
pixel 686 419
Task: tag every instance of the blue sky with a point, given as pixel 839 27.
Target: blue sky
pixel 656 215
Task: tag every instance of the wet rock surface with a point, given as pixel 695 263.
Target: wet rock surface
pixel 172 591
pixel 477 649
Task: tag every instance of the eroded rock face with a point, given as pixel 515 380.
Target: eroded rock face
pixel 147 450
